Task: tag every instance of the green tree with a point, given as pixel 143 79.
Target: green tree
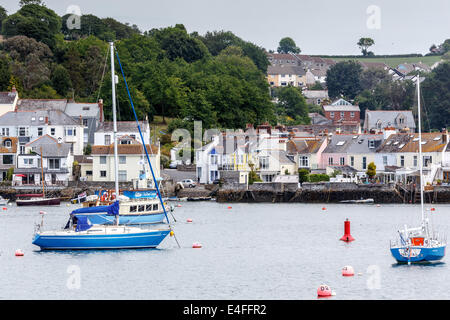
pixel 34 21
pixel 287 45
pixel 5 71
pixel 253 177
pixel 371 170
pixel 435 91
pixel 344 78
pixel 292 103
pixel 364 44
pixel 61 80
pixel 303 175
pixel 3 16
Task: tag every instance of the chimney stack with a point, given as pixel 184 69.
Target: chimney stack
pixel 444 135
pixel 13 89
pixel 81 120
pixel 46 120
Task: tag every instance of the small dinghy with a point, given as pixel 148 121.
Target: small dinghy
pixel 369 200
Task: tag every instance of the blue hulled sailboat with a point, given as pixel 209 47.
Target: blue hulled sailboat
pixel 420 244
pixel 81 234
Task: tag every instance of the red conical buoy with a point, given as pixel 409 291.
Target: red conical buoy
pixel 347 237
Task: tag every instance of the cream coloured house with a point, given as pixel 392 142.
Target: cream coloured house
pixel 132 161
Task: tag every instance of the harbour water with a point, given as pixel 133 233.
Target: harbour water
pixel 251 251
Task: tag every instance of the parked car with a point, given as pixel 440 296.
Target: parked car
pixel 188 183
pixel 173 165
pixel 217 181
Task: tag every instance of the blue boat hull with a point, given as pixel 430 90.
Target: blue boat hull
pixel 418 254
pixel 149 239
pixel 128 219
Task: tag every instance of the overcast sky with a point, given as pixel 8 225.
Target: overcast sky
pixel 317 26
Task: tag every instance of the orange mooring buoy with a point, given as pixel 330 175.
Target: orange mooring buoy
pixel 347 237
pixel 324 208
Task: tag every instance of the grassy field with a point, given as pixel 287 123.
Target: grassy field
pixel 395 61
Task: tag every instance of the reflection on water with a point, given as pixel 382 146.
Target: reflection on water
pixel 252 251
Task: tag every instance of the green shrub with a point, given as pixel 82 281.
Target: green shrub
pixel 303 175
pixel 318 177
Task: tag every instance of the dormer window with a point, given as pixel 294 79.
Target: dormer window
pixel 7 143
pixel 371 144
pixel 41 118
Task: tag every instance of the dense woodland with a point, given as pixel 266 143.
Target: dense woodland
pixel 217 77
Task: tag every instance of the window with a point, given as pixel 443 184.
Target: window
pixel 52 131
pixel 89 172
pixel 364 163
pixel 122 159
pixel 264 162
pixel 342 161
pixel 122 175
pixel 415 161
pixel 71 131
pixel 148 207
pixel 54 164
pixel 213 159
pixel 7 159
pixel 303 161
pixel 103 173
pixel 107 139
pixel 102 159
pixel 23 131
pixel 5 131
pixel 342 114
pixel 28 161
pixel 330 161
pixel 141 208
pixel 427 160
pixel 385 162
pixel 352 114
pixel 40 131
pixel 402 161
pixel 7 143
pixel 85 122
pixel 332 114
pixel 352 161
pixel 155 207
pixel 22 149
pixel 371 144
pixel 133 208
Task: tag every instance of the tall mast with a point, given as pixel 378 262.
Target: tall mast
pixel 42 171
pixel 420 148
pixel 113 90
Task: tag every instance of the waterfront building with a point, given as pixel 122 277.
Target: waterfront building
pixel 375 121
pixel 57 161
pixel 355 151
pixel 104 133
pixel 401 150
pixel 315 96
pixel 85 171
pixel 89 115
pixel 31 125
pixel 307 152
pixel 272 163
pixel 8 156
pixel 133 164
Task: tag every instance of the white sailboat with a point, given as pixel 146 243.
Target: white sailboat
pixel 419 244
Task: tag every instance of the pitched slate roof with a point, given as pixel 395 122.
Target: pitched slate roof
pixel 353 143
pixel 341 105
pixel 285 69
pixel 122 126
pixel 83 159
pixel 7 97
pixel 41 104
pixel 55 117
pixel 388 119
pixel 409 142
pixel 50 147
pixel 84 109
pixel 304 146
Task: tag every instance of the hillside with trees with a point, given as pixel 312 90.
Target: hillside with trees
pixel 218 77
